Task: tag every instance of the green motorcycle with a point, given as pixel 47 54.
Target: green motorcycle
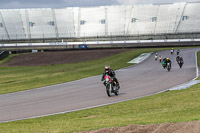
pixel 164 64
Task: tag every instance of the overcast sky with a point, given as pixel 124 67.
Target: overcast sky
pixel 16 4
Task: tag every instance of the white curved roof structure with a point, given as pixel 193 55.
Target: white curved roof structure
pixel 132 20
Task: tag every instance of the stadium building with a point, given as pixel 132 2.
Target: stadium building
pixel 131 22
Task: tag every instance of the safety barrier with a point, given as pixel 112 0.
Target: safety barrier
pixel 102 42
pixel 3 54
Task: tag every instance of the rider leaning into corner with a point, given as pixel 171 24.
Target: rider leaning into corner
pixel 179 59
pixel 156 56
pixel 172 50
pixel 168 61
pixel 111 73
pixel 165 61
pixel 177 51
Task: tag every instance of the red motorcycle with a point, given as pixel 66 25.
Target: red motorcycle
pixel 160 59
pixel 111 86
pixel 180 63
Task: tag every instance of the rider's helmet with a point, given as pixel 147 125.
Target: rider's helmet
pixel 156 54
pixel 107 68
pixel 167 59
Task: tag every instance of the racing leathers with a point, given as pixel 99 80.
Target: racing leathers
pixel 165 61
pixel 168 61
pixel 179 59
pixel 111 73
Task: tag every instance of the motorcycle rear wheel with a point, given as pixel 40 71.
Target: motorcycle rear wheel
pixel 117 92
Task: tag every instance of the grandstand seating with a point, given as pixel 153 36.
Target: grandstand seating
pixel 146 16
pixel 169 16
pixel 12 24
pixel 92 21
pixel 3 32
pixel 116 18
pixel 40 23
pixel 65 22
pixel 103 21
pixel 190 20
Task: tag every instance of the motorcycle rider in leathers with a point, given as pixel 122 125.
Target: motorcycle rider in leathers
pixel 179 59
pixel 168 61
pixel 111 73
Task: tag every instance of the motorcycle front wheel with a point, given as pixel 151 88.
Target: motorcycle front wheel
pixel 168 67
pixel 108 90
pixel 180 65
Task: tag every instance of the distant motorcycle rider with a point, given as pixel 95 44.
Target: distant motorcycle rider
pixel 179 60
pixel 156 56
pixel 160 57
pixel 165 61
pixel 111 73
pixel 168 61
pixel 178 51
pixel 172 50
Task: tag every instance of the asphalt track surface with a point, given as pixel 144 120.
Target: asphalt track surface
pixel 143 79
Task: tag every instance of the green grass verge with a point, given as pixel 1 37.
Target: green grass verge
pixel 172 106
pixel 7 59
pixel 15 79
pixel 198 62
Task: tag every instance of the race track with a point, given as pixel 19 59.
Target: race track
pixel 141 80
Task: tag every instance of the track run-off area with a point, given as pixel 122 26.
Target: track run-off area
pixel 140 80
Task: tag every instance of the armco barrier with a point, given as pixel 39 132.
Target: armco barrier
pixel 102 42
